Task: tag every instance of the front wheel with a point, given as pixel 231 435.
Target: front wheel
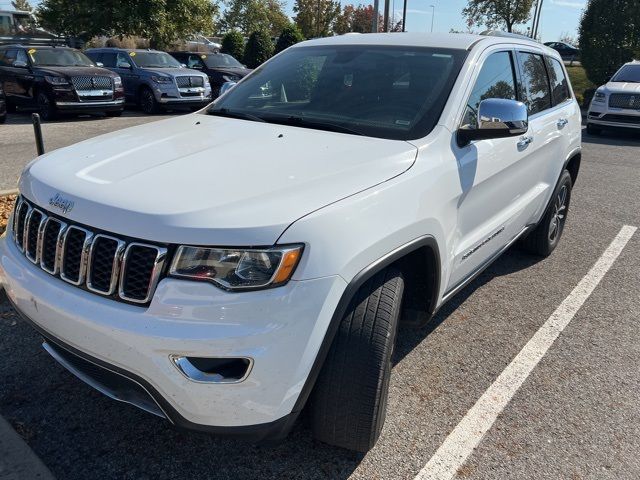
pixel 349 400
pixel 546 236
pixel 46 107
pixel 148 102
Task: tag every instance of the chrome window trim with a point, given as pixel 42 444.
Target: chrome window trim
pixel 161 254
pixel 58 252
pixel 83 256
pixel 115 266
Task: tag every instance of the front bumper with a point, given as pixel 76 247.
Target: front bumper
pixel 170 94
pixel 280 329
pixel 603 116
pixel 97 106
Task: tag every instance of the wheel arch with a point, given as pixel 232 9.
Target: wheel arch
pixel 572 164
pixel 418 257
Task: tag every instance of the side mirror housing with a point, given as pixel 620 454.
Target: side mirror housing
pixel 99 64
pixel 226 86
pixel 497 118
pixel 126 65
pixel 20 64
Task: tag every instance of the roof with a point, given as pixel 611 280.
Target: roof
pixel 38 47
pixel 137 50
pixel 459 41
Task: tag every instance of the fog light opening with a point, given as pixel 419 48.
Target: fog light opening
pixel 213 370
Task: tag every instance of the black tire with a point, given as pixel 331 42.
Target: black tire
pixel 3 118
pixel 546 236
pixel 11 108
pixel 593 130
pixel 349 401
pixel 148 102
pixel 46 107
pixel 114 113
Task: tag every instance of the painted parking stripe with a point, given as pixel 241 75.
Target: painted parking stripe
pixel 466 436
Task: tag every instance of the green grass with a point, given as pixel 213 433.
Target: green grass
pixel 579 82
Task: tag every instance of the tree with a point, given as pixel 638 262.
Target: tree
pixel 315 18
pixel 259 49
pixel 159 20
pixel 609 37
pixel 251 15
pixel 290 35
pixel 22 5
pixel 233 44
pixel 497 13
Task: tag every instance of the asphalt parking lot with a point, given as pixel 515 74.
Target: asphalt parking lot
pixel 575 416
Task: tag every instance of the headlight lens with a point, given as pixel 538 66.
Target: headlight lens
pixel 56 80
pixel 117 82
pixel 599 97
pixel 237 269
pixel 160 79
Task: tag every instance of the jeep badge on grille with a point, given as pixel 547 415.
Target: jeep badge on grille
pixel 61 203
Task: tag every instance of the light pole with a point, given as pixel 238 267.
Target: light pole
pixel 433 14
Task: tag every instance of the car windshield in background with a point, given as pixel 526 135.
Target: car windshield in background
pixel 628 73
pixel 154 60
pixel 221 60
pixel 378 91
pixel 58 57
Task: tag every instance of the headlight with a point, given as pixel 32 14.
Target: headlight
pixel 161 79
pixel 237 269
pixel 56 80
pixel 117 82
pixel 206 80
pixel 599 97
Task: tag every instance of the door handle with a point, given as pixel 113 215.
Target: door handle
pixel 524 142
pixel 562 122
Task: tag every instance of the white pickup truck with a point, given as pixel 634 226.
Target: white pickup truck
pixel 228 268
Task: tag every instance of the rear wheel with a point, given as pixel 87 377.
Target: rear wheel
pixel 546 236
pixel 148 102
pixel 349 401
pixel 46 107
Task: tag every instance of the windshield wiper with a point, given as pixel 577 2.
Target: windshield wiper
pixel 298 121
pixel 225 112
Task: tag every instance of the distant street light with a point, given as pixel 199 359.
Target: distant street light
pixel 433 14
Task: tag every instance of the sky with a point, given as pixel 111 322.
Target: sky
pixel 558 16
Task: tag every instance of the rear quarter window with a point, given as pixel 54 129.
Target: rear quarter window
pixel 559 83
pixel 535 82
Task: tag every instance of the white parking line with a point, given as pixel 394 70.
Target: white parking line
pixel 469 432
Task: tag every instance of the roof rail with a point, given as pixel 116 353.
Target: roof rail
pixel 498 33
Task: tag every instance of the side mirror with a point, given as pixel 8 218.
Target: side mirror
pixel 20 64
pixel 99 64
pixel 226 86
pixel 183 65
pixel 126 65
pixel 497 118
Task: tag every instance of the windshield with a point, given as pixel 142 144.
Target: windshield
pixel 221 60
pixel 378 91
pixel 154 60
pixel 628 73
pixel 58 57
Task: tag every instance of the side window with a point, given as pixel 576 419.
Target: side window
pixel 194 62
pixel 537 94
pixel 496 80
pixel 21 56
pixel 122 58
pixel 559 84
pixel 108 59
pixel 9 57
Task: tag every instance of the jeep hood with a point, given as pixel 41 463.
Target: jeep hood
pixel 207 180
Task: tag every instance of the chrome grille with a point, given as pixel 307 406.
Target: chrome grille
pixel 88 82
pixel 189 81
pixel 625 100
pixel 101 263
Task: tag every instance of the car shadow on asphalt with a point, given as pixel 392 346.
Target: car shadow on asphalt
pixel 511 261
pixel 621 138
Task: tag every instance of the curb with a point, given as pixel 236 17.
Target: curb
pixel 17 460
pixel 6 193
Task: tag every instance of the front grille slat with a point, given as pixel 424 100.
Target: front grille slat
pixel 88 82
pixel 625 100
pixel 187 81
pixel 101 263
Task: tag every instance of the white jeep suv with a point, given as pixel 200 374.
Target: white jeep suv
pixel 617 104
pixel 228 268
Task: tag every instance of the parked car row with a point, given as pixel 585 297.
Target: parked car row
pixel 55 80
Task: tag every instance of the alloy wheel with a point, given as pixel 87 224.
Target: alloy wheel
pixel 559 214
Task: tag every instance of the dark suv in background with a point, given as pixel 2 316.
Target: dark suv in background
pixel 219 67
pixel 155 80
pixel 57 79
pixel 3 106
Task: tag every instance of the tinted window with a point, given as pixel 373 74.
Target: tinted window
pixel 9 57
pixel 122 59
pixel 221 60
pixel 378 91
pixel 154 60
pixel 58 57
pixel 22 57
pixel 537 94
pixel 95 57
pixel 495 80
pixel 194 61
pixel 559 84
